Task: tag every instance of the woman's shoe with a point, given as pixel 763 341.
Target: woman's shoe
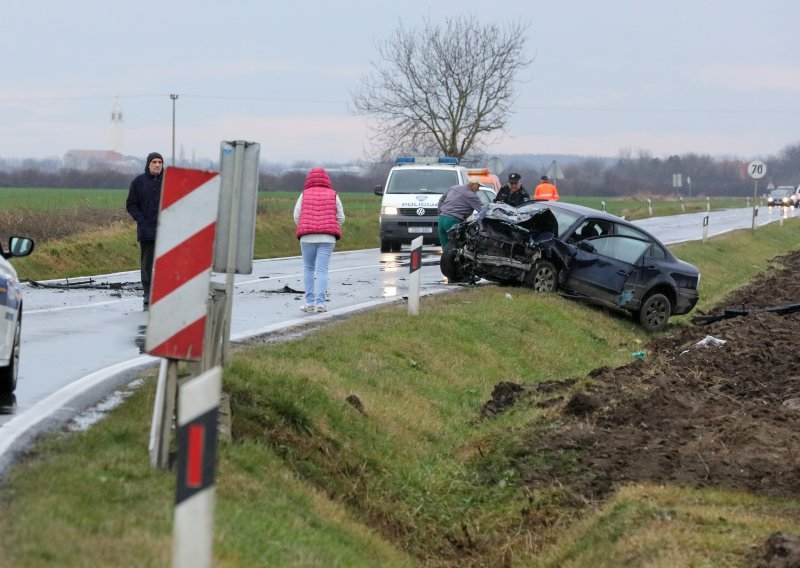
pixel 307 308
pixel 322 308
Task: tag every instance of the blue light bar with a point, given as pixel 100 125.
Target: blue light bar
pixel 426 160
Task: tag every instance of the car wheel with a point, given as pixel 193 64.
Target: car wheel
pixel 386 246
pixel 396 246
pixel 8 374
pixel 655 312
pixel 542 277
pixel 450 264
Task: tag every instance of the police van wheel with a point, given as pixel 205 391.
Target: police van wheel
pixel 396 246
pixel 386 246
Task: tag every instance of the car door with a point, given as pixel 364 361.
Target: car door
pixel 606 268
pixel 9 306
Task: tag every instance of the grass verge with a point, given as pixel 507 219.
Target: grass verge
pixel 410 476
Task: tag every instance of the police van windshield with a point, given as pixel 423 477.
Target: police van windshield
pixel 421 181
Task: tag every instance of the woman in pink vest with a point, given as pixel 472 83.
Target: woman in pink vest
pixel 319 216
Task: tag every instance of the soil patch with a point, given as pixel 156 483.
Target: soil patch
pixel 725 415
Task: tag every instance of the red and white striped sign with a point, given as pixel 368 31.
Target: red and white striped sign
pixel 187 222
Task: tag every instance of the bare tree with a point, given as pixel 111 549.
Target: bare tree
pixel 442 88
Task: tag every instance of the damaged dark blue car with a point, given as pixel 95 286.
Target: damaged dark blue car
pixel 580 252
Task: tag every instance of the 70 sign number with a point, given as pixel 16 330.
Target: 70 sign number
pixel 757 169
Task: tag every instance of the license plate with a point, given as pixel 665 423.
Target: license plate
pixel 420 229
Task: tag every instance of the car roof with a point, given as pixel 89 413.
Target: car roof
pixel 586 211
pixel 597 214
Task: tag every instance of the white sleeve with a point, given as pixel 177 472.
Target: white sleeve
pixel 339 211
pixel 297 209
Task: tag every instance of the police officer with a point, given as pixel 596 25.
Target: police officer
pixel 513 193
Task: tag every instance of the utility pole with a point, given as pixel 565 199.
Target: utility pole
pixel 174 98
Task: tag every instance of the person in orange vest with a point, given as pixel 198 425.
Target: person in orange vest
pixel 545 191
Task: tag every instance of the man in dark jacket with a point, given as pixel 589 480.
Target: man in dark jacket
pixel 513 193
pixel 142 204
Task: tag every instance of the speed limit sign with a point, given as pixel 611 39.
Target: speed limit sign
pixel 757 169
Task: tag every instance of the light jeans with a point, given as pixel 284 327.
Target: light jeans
pixel 316 257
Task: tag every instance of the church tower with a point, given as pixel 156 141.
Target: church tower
pixel 116 127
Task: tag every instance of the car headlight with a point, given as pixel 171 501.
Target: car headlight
pixel 388 210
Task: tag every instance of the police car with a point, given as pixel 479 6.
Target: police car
pixel 11 312
pixel 410 199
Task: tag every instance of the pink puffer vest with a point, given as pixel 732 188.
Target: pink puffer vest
pixel 318 208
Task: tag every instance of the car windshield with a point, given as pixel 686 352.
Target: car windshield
pixel 565 220
pixel 422 181
pixel 779 192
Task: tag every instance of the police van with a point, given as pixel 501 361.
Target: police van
pixel 410 199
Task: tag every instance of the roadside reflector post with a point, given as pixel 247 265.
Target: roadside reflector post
pixel 414 264
pixel 705 228
pixel 781 214
pixel 603 203
pixel 748 201
pixel 650 207
pixel 708 204
pixel 683 205
pixel 198 411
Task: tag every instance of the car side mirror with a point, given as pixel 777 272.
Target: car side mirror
pixel 378 190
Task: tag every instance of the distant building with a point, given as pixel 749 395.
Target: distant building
pixel 104 159
pixel 97 160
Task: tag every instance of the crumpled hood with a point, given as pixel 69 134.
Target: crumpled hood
pixel 534 218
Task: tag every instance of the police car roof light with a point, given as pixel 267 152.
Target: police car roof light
pixel 425 160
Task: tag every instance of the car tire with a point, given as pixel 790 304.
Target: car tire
pixel 8 374
pixel 450 264
pixel 655 312
pixel 542 277
pixel 396 246
pixel 386 246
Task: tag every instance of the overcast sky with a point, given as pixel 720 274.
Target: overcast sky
pixel 718 77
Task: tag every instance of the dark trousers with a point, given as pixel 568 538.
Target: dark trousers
pixel 148 253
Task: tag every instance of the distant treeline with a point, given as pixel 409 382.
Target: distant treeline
pixel 629 174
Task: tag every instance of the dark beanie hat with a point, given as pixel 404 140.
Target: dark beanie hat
pixel 152 156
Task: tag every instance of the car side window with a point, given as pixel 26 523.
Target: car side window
pixel 654 251
pixel 619 247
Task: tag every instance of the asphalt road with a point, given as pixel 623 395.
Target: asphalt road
pixel 82 342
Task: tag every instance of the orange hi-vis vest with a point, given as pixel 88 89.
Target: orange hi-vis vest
pixel 545 191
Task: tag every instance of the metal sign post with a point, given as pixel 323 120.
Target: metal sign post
pixel 757 170
pixel 414 264
pixel 233 249
pixel 677 182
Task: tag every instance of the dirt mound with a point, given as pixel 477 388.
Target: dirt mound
pixel 724 415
